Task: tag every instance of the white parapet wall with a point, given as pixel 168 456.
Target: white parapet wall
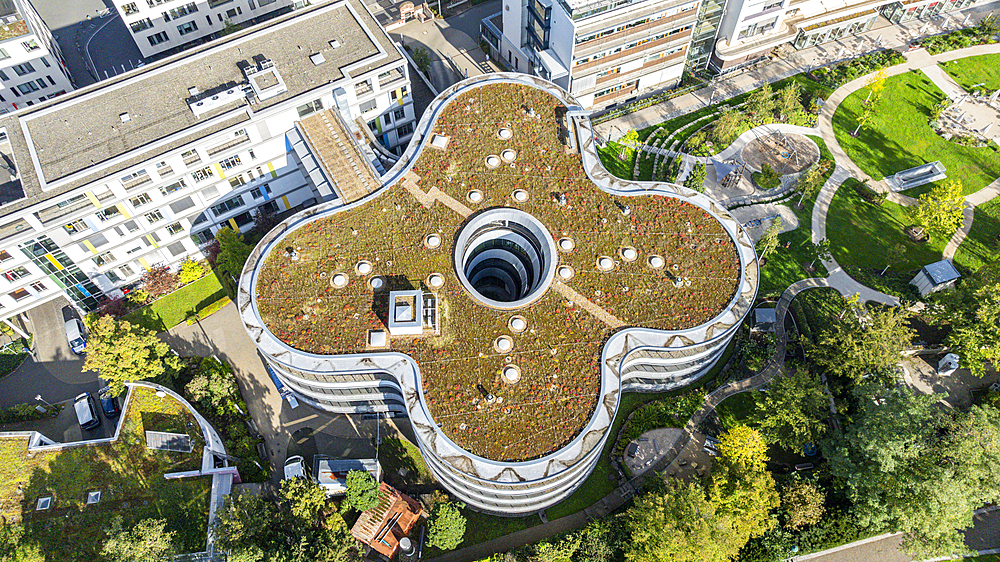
pixel 633 359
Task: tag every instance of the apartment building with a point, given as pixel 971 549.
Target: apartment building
pixel 158 26
pixel 602 52
pixel 31 63
pixel 144 168
pixel 751 29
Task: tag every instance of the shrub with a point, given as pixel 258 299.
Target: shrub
pixel 835 76
pixel 214 385
pixel 138 297
pixel 982 34
pixel 189 271
pixel 158 281
pixel 25 412
pixel 446 526
pixel 866 192
pixel 672 411
pixel 211 250
pixel 696 179
pixel 116 308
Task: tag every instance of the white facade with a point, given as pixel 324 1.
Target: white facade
pixel 162 25
pixel 88 241
pixel 602 52
pixel 31 64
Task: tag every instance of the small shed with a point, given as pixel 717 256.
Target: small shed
pixel 764 319
pixel 935 277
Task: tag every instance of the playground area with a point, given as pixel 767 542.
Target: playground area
pixel 785 153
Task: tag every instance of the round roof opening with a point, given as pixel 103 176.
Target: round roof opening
pixel 504 258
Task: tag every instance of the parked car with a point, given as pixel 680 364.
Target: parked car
pixel 295 467
pixel 86 411
pixel 75 336
pixel 109 403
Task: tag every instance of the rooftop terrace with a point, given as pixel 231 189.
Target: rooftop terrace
pixel 519 376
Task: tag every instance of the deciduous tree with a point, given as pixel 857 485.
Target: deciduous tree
pixel 696 179
pixel 940 210
pixel 233 252
pixel 303 497
pixel 446 526
pixel 213 385
pixel 362 491
pixel 769 241
pixel 976 333
pixel 147 541
pixel 158 280
pixel 792 411
pixel 812 181
pixel 802 502
pixel 122 352
pixel 851 349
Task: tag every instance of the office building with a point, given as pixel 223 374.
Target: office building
pixel 112 179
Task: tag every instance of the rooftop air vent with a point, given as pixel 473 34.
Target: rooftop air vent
pixel 193 91
pixel 335 44
pixel 125 117
pixel 43 503
pixel 317 59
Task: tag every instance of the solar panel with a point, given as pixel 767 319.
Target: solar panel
pixel 175 442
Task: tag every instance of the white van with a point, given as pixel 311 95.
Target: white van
pixel 74 334
pixel 86 412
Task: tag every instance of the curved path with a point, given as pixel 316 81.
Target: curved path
pixel 915 60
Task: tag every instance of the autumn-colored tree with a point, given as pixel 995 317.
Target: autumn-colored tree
pixel 940 210
pixel 802 503
pixel 158 280
pixel 123 352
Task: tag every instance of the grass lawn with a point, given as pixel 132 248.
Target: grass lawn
pixel 981 69
pixel 737 409
pixel 784 264
pixel 900 138
pixel 129 476
pixel 401 454
pixel 174 308
pixel 982 242
pixel 860 234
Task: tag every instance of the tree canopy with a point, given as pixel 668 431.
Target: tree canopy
pixel 446 526
pixel 793 410
pixel 975 335
pixel 940 209
pixel 362 491
pixel 854 349
pixel 147 541
pixel 122 352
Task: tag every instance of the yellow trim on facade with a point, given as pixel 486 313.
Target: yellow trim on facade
pixel 53 261
pixel 90 246
pixel 152 241
pixel 144 263
pixel 270 167
pixel 93 199
pixel 234 226
pixel 399 96
pixel 123 210
pixel 284 199
pixel 218 169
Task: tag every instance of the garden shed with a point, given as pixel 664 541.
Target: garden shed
pixel 935 277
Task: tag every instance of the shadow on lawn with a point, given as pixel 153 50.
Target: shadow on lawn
pixel 148 319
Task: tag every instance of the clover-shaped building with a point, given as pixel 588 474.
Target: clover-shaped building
pixel 499 287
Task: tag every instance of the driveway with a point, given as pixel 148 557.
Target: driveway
pixel 286 431
pixel 53 371
pixel 453 45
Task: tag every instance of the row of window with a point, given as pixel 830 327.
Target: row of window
pixel 635 23
pixel 633 44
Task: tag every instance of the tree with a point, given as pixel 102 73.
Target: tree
pixel 789 100
pixel 812 181
pixel 190 270
pixel 678 524
pixel 940 210
pixel 362 491
pixel 853 350
pixel 745 447
pixel 422 59
pixel 158 280
pixel 741 487
pixel 696 179
pixel 975 336
pixel 819 251
pixel 769 241
pixel 446 526
pixel 304 498
pixel 233 252
pixel 792 412
pixel 122 352
pixel 214 386
pixel 802 502
pixel 728 126
pixel 760 104
pixel 893 254
pixel 867 114
pixel 876 85
pixel 148 541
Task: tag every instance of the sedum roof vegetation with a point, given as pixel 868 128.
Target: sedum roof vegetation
pixel 559 351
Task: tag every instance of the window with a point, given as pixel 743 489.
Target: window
pixel 202 236
pixel 255 193
pixel 772 6
pixel 38 286
pixel 368 106
pixel 140 200
pixel 203 174
pixel 16 273
pixel 386 119
pixel 76 227
pixel 227 205
pixel 175 228
pixel 41 84
pixel 45 61
pixel 51 81
pixel 310 107
pixel 183 10
pixel 5 256
pixel 186 28
pixel 191 156
pixel 104 259
pixel 134 250
pixel 30 45
pixel 230 162
pixel 404 130
pixel 19 294
pixel 237 181
pixel 113 276
pixel 176 186
pixel 22 69
pixel 154 216
pixel 158 38
pixel 5 55
pixel 230 13
pixel 130 8
pixel 141 25
pixel 399 114
pixel 27 88
pixel 126 270
pixel 252 155
pixel 108 213
pixel 131 226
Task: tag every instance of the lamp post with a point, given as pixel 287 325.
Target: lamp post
pixel 40 399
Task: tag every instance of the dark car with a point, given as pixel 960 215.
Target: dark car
pixel 109 403
pixel 86 413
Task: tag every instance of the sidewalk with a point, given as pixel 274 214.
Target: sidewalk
pixel 892 36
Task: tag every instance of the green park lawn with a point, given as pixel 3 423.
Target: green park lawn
pixel 983 242
pixel 174 308
pixel 853 224
pixel 899 136
pixel 981 69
